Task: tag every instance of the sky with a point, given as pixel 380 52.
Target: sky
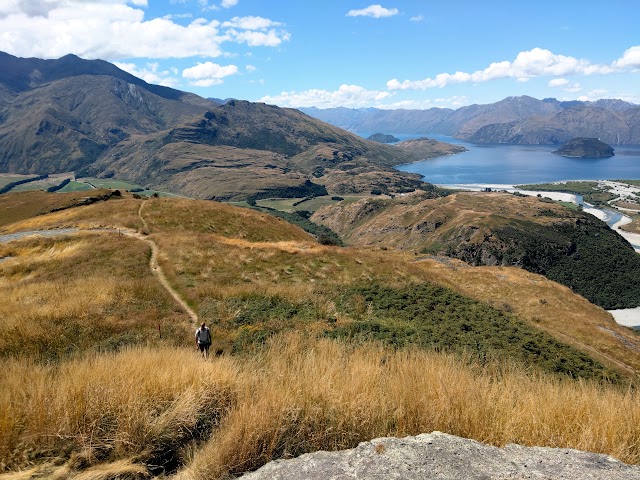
pixel 347 53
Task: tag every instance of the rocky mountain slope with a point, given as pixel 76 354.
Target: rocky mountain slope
pixel 520 120
pixel 92 118
pixel 570 247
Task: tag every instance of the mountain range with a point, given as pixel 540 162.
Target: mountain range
pixel 91 118
pixel 515 120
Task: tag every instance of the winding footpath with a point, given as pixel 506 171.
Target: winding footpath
pixel 155 267
pixel 153 261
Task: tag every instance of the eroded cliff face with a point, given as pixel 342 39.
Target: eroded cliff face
pixel 439 456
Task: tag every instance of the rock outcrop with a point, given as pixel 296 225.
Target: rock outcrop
pixel 446 457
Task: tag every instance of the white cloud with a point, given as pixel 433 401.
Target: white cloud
pixel 529 64
pixel 630 58
pixel 116 29
pixel 417 18
pixel 346 96
pixel 558 82
pixel 228 3
pixel 250 68
pixel 256 31
pixel 375 11
pixel 449 102
pixel 594 95
pixel 41 8
pixel 251 23
pixel 271 38
pixel 208 74
pixel 151 73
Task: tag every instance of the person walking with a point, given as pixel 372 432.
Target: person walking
pixel 203 339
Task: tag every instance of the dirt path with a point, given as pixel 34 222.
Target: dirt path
pixel 153 261
pixel 155 267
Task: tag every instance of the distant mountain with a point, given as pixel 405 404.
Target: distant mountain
pixel 90 117
pixel 242 149
pixel 61 115
pixel 517 120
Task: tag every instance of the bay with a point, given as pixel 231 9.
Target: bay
pixel 519 164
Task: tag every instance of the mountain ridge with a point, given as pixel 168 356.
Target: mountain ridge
pixel 90 117
pixel 518 120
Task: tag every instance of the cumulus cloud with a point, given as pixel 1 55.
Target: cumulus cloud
pixel 251 23
pixel 346 96
pixel 448 102
pixel 208 74
pixel 41 8
pixel 256 31
pixel 630 58
pixel 151 73
pixel 417 18
pixel 116 29
pixel 375 11
pixel 558 82
pixel 228 3
pixel 529 64
pixel 593 95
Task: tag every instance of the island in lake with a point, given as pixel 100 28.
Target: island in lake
pixel 581 147
pixel 383 138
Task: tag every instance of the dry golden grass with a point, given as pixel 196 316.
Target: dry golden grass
pixel 143 404
pixel 229 415
pixel 212 252
pixel 82 291
pixel 305 396
pixel 202 216
pixel 30 211
pixel 208 267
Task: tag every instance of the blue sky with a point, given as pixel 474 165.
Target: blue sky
pixel 391 54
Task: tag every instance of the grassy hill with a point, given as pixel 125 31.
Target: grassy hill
pixel 568 246
pixel 321 346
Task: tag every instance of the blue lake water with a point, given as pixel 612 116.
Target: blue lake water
pixel 518 164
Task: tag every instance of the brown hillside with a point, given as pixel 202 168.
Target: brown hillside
pixel 216 254
pixel 242 149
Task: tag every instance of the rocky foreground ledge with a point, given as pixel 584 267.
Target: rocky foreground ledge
pixel 446 457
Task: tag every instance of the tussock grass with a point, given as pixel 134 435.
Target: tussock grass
pixel 298 394
pixel 142 404
pixel 67 295
pixel 30 211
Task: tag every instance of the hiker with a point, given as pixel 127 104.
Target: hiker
pixel 203 340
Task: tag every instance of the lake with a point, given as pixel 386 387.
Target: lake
pixel 519 164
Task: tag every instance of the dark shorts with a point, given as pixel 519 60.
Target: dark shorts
pixel 204 346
